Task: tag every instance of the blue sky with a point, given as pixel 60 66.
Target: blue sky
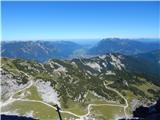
pixel 79 20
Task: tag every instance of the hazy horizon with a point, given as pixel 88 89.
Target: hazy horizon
pixel 86 41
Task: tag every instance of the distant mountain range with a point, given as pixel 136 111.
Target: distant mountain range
pixel 45 50
pixel 39 50
pixel 124 46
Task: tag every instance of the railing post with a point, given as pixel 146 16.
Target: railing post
pixel 58 110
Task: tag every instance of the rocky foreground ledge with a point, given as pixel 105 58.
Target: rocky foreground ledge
pixel 14 117
pixel 147 113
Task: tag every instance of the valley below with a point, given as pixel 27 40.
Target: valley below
pixel 80 60
pixel 97 88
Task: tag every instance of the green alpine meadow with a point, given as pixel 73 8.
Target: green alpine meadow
pixel 79 60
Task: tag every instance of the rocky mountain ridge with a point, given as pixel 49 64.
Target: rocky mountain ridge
pixel 44 50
